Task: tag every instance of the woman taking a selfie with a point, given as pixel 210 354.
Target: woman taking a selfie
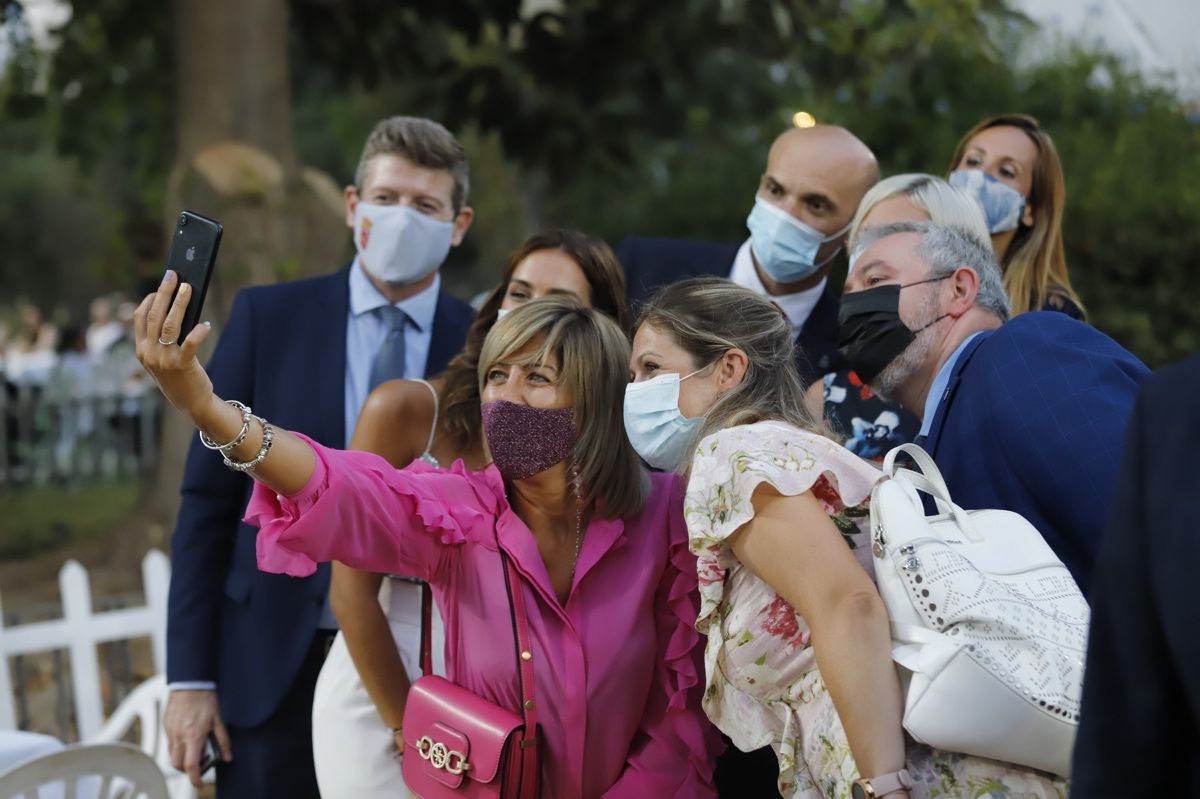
pixel 597 544
pixel 360 693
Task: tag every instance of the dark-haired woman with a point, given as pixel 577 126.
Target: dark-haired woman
pixel 361 691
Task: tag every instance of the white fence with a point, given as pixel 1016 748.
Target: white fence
pixel 80 630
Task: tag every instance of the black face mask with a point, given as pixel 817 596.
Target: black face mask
pixel 870 332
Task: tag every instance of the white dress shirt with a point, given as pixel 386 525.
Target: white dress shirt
pixel 796 307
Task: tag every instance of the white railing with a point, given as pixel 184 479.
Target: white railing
pixel 80 630
pixel 48 436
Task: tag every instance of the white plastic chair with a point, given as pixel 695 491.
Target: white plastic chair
pixel 104 771
pixel 145 705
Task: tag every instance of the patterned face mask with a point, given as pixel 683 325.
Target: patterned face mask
pixel 399 245
pixel 1001 204
pixel 525 441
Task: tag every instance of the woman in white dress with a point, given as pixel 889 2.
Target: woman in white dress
pixel 359 702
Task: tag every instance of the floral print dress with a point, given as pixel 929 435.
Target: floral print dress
pixel 763 687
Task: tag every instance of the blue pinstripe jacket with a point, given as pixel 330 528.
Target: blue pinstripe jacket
pixel 1033 420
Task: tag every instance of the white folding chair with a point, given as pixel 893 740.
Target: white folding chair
pixel 144 706
pixel 103 771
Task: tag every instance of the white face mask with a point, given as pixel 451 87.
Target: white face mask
pixel 500 312
pixel 399 245
pixel 656 428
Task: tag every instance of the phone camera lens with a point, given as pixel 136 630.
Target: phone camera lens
pixel 182 220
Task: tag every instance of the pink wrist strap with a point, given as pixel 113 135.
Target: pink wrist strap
pixel 887 783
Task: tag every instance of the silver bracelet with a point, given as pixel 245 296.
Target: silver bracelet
pixel 223 448
pixel 268 433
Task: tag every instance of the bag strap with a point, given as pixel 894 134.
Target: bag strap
pixel 530 743
pixel 925 463
pixel 516 600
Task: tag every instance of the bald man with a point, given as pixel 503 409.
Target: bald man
pixel 814 180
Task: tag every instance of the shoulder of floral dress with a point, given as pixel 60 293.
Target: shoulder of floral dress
pixel 767 448
pixel 764 434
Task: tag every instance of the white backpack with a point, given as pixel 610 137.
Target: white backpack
pixel 988 626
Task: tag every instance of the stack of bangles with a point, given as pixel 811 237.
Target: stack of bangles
pixel 268 435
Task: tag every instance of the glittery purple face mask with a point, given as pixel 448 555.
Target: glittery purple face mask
pixel 525 440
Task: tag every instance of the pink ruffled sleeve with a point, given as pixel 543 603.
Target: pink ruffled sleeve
pixel 360 510
pixel 674 729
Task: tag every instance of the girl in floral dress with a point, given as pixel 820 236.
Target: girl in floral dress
pixel 798 652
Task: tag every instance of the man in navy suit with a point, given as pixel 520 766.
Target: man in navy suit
pixel 814 180
pixel 243 647
pixel 1026 415
pixel 1139 729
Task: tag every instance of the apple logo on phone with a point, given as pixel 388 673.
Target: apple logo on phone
pixel 190 254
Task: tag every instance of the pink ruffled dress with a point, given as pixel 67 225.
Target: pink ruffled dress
pixel 618 670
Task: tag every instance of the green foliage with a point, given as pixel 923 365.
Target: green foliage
pixel 41 519
pixel 621 117
pixel 110 97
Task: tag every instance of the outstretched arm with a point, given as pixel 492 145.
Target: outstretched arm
pixel 312 504
pixel 184 382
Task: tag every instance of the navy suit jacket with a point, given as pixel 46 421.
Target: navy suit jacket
pixel 652 263
pixel 283 353
pixel 1033 421
pixel 1140 728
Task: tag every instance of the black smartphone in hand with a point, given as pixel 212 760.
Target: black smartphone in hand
pixel 211 753
pixel 193 254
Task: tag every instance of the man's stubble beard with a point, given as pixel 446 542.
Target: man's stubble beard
pixel 905 365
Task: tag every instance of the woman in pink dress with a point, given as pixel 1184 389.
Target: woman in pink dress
pixel 608 582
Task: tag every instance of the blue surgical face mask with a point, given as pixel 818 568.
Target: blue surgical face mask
pixel 785 247
pixel 658 431
pixel 1001 204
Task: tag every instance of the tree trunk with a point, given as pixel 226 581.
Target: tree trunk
pixel 234 161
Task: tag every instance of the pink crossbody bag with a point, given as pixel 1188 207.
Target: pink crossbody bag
pixel 458 745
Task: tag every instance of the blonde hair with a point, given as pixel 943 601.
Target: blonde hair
pixel 423 142
pixel 945 205
pixel 593 369
pixel 1035 266
pixel 709 316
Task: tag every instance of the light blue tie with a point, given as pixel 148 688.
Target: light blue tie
pixel 389 361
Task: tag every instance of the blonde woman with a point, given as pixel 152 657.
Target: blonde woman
pixel 799 648
pixel 1009 164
